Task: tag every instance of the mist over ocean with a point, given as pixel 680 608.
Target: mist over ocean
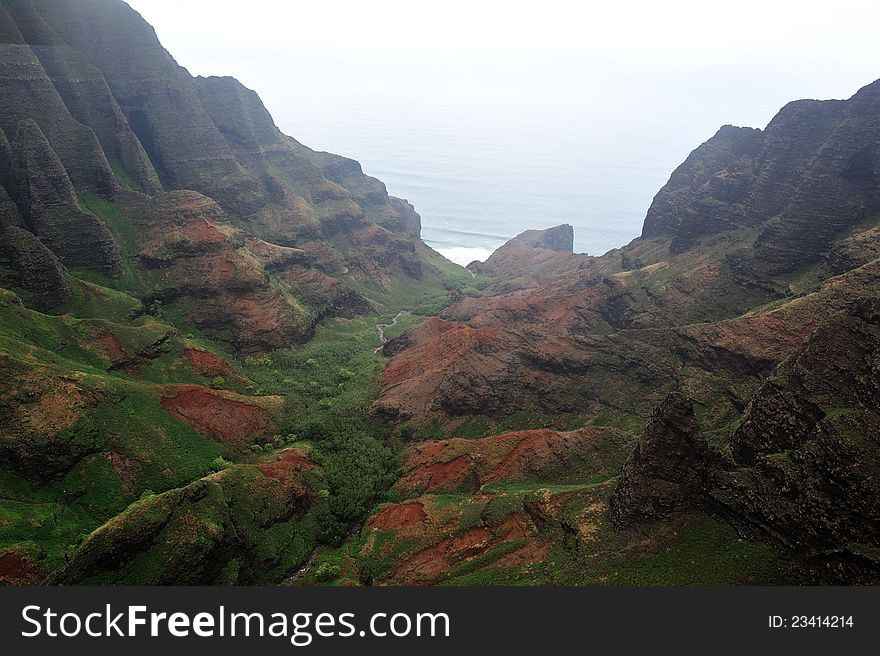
pixel 486 149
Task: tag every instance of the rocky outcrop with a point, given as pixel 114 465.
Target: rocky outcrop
pixel 559 238
pixel 806 454
pixel 41 436
pixel 534 252
pixel 410 222
pixel 805 180
pixel 668 471
pixel 703 196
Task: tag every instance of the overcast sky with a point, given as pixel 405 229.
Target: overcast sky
pixel 839 31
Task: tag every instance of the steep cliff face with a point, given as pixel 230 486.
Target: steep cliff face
pixel 99 114
pixel 51 210
pixel 87 98
pixel 806 179
pixel 27 92
pixel 807 451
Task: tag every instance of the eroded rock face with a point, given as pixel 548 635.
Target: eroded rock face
pixel 456 465
pixel 807 452
pixel 88 99
pixel 28 92
pixel 51 210
pixel 668 471
pixel 158 99
pixel 25 262
pixel 810 176
pixel 534 252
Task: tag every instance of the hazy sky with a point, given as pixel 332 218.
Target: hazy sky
pixel 842 31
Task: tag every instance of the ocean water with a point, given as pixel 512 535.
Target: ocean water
pixel 487 148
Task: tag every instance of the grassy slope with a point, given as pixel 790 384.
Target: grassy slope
pixel 48 517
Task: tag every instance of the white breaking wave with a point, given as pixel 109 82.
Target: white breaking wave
pixel 463 255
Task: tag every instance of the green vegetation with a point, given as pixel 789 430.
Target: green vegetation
pixel 695 549
pixel 126 233
pixel 123 447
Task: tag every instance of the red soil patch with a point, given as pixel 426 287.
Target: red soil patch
pixel 225 420
pixel 206 363
pixel 429 450
pixel 113 350
pixel 536 446
pixel 399 515
pixel 512 528
pixel 204 232
pixel 288 461
pixel 468 544
pixel 437 355
pixel 16 569
pixel 533 552
pixel 431 562
pixel 223 268
pixel 437 476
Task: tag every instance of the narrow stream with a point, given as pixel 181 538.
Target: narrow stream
pixel 382 327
